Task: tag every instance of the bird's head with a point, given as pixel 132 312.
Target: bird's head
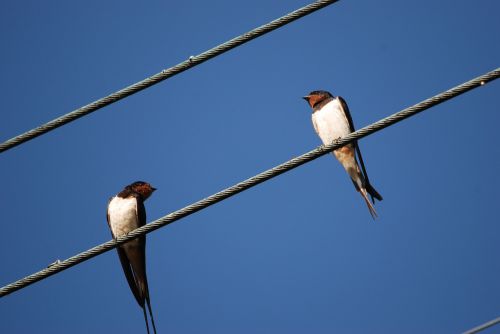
pixel 142 188
pixel 317 96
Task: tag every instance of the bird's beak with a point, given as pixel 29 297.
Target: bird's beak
pixel 306 98
pixel 153 189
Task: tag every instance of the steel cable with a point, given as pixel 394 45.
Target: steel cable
pixel 165 74
pixel 483 326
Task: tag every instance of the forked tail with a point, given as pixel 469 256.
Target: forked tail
pixel 145 318
pixel 150 315
pixel 373 193
pixel 371 208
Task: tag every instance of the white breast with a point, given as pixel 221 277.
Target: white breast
pixel 330 122
pixel 122 215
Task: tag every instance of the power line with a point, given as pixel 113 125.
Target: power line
pixel 483 326
pixel 251 182
pixel 165 74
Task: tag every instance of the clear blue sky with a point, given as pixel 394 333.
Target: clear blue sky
pixel 294 255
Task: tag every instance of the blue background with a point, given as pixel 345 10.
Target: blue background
pixel 297 254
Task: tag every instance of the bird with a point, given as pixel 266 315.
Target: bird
pixel 331 120
pixel 125 213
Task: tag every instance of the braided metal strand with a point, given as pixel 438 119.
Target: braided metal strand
pixel 165 74
pixel 253 181
pixel 484 326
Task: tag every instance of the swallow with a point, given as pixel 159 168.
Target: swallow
pixel 126 212
pixel 331 120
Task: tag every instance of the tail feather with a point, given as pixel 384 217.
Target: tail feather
pixel 373 193
pixel 371 208
pixel 142 284
pixel 150 314
pixel 146 318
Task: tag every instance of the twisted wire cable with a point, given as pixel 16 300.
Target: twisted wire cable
pixel 483 326
pixel 251 182
pixel 165 74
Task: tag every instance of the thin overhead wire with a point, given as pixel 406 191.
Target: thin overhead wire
pixel 483 326
pixel 251 182
pixel 165 74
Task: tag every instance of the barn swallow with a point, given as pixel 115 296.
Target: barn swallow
pixel 331 120
pixel 126 212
